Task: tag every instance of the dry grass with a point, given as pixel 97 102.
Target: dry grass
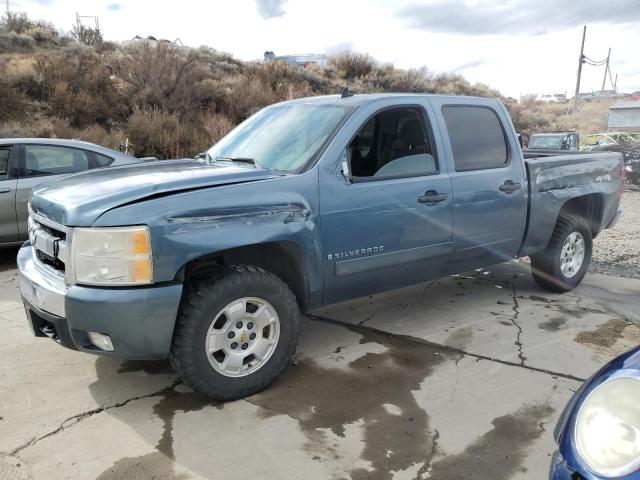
pixel 216 126
pixel 155 132
pixel 591 117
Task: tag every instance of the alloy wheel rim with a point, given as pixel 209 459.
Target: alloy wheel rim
pixel 572 255
pixel 242 336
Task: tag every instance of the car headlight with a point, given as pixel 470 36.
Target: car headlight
pixel 112 256
pixel 607 431
pixel 628 168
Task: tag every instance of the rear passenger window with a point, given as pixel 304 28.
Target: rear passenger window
pixel 477 138
pixel 394 143
pixel 101 160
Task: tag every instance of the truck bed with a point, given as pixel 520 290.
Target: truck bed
pixel 555 179
pixel 540 153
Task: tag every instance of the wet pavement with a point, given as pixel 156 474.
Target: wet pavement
pixel 460 378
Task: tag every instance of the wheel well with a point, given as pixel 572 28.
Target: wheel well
pixel 283 259
pixel 590 207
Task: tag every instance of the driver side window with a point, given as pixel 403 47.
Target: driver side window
pixel 394 143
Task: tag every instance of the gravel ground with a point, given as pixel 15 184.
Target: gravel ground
pixel 616 251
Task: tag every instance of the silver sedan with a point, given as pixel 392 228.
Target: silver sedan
pixel 28 162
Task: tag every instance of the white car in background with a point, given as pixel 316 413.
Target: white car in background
pixel 555 98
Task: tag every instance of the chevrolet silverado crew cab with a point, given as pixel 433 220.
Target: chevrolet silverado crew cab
pixel 307 203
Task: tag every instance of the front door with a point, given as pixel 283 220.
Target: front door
pixel 387 223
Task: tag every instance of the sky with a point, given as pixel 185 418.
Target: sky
pixel 516 46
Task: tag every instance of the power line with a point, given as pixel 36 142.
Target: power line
pixel 595 63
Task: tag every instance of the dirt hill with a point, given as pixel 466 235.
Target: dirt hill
pixel 172 101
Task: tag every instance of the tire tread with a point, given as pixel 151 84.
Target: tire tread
pixel 545 267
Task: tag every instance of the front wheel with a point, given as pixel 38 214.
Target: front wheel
pixel 236 332
pixel 563 265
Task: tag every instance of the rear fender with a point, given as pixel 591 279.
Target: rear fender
pixel 559 182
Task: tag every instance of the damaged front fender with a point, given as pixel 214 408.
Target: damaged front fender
pixel 199 224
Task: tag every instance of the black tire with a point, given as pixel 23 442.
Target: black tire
pixel 202 300
pixel 545 266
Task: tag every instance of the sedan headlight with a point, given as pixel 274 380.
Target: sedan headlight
pixel 112 256
pixel 628 168
pixel 607 431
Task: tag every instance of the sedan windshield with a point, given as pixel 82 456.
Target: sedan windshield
pixel 282 138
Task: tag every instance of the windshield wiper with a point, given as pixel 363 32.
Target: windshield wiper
pixel 249 161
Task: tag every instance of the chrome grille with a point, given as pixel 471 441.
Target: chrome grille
pixel 49 241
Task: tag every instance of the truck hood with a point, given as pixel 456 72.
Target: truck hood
pixel 78 200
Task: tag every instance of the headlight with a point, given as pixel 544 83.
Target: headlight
pixel 607 431
pixel 628 168
pixel 112 256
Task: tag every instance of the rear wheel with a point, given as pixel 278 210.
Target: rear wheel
pixel 563 265
pixel 236 332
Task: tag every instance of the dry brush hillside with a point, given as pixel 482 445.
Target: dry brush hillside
pixel 174 101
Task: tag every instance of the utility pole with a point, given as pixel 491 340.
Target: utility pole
pixel 580 61
pixel 615 84
pixel 606 70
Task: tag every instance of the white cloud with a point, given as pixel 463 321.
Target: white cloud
pixel 270 8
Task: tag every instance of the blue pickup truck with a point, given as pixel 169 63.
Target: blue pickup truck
pixel 307 203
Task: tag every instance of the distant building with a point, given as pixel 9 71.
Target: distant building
pixel 625 115
pixel 153 41
pixel 299 60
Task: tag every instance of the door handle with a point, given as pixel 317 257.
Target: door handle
pixel 432 197
pixel 5 190
pixel 509 187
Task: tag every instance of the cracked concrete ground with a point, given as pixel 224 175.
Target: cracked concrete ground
pixel 463 377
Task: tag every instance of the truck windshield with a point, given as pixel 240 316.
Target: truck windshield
pixel 550 142
pixel 282 137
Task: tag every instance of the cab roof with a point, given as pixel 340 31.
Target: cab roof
pixel 357 99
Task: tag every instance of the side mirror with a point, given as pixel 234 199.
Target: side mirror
pixel 344 166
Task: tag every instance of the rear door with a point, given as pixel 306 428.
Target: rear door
pixel 42 164
pixel 488 181
pixel 8 184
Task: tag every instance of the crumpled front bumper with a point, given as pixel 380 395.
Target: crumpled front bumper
pixel 139 321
